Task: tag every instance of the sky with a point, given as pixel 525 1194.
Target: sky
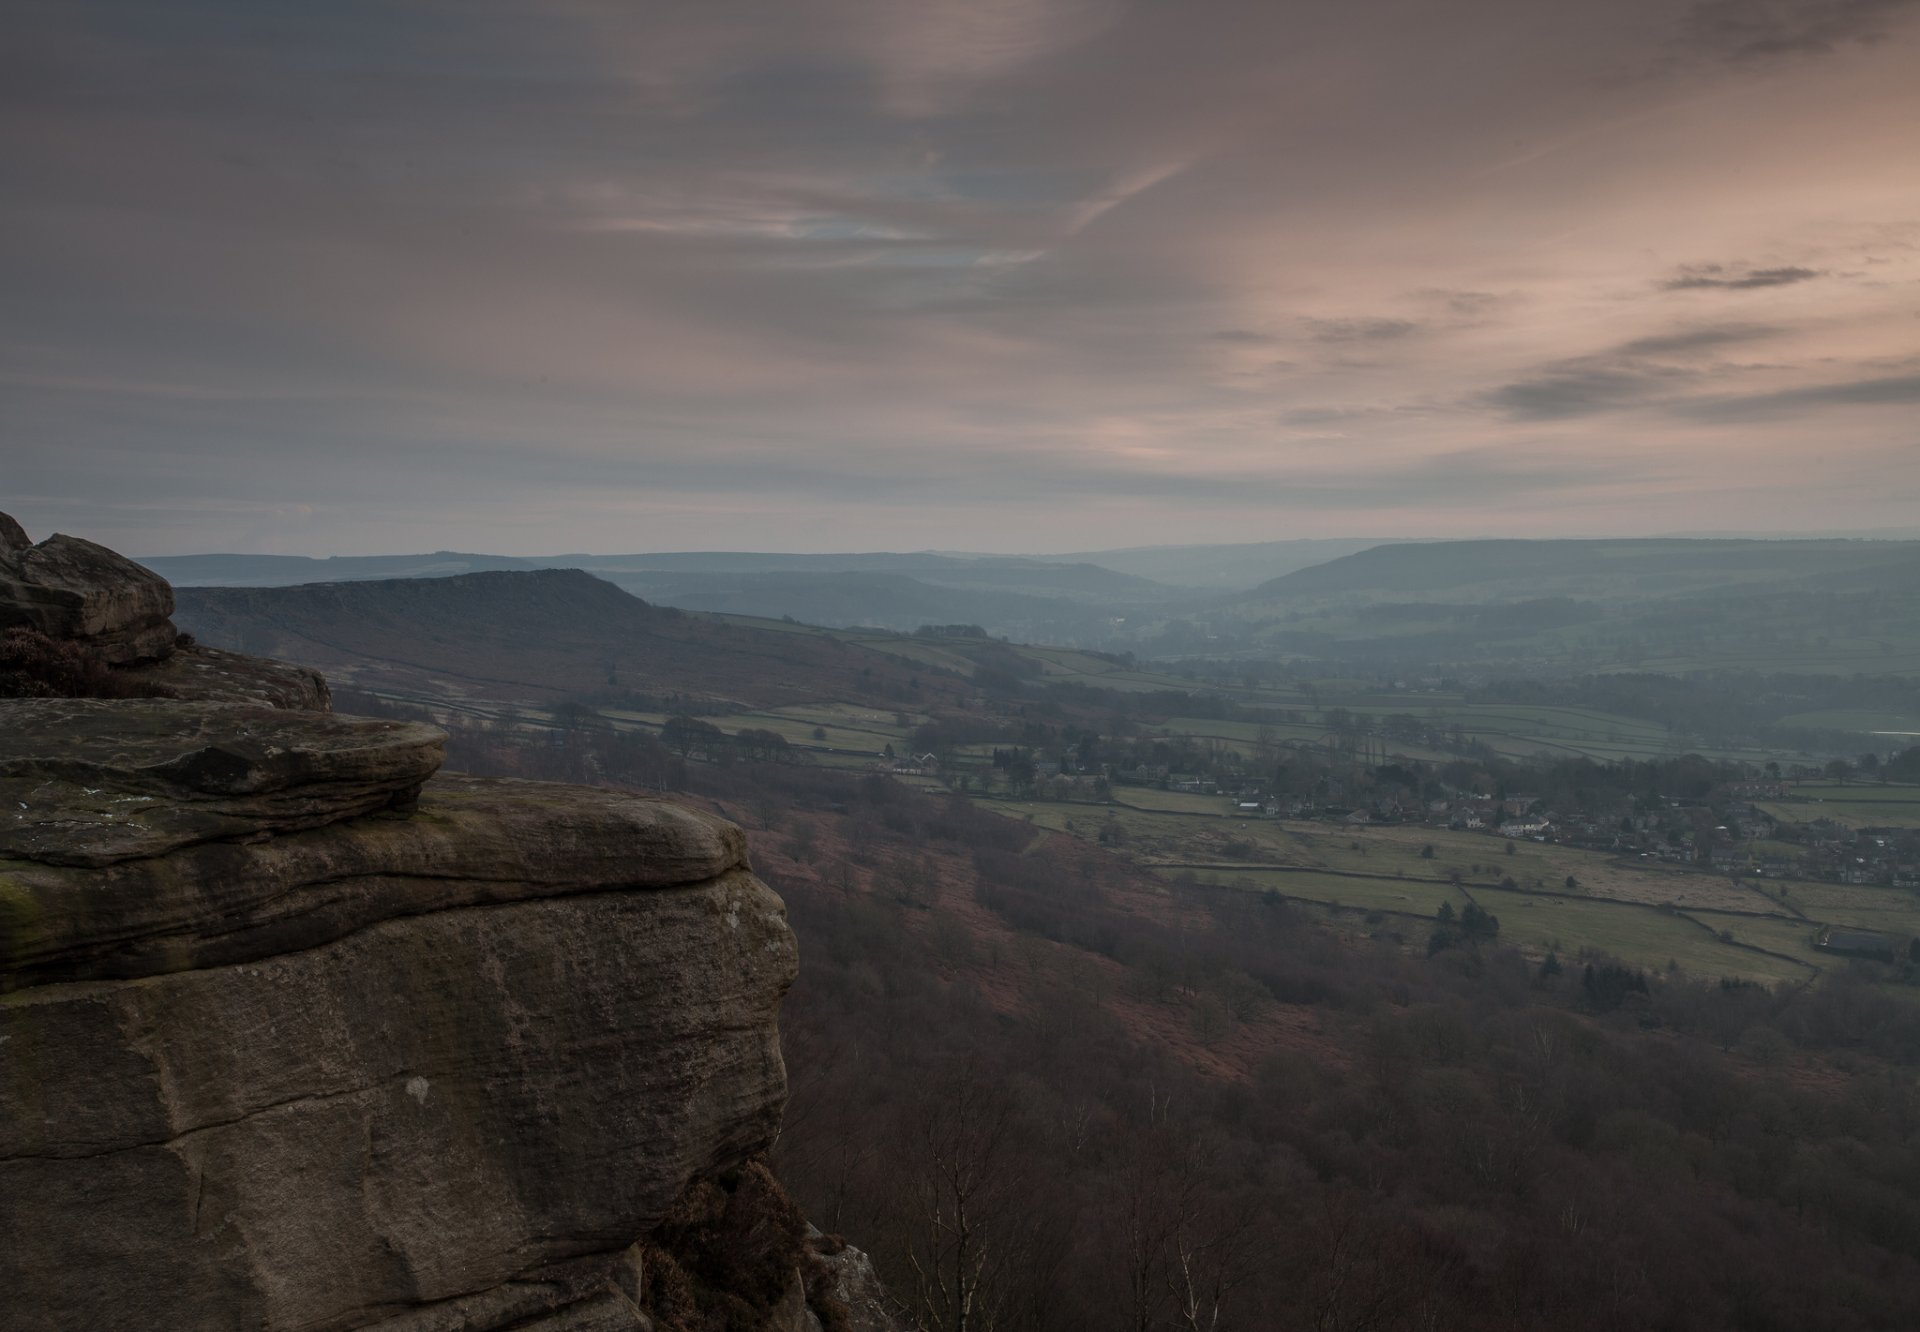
pixel 1000 275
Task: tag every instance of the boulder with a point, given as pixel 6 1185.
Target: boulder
pixel 98 781
pixel 852 1282
pixel 193 673
pixel 473 842
pixel 500 1070
pixel 72 589
pixel 295 1035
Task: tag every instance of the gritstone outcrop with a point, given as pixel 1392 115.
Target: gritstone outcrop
pixel 295 1033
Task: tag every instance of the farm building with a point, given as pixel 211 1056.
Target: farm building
pixel 1860 943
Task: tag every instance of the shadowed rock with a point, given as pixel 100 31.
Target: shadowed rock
pixel 269 1063
pixel 74 590
pixel 12 535
pixel 447 1117
pixel 96 781
pixel 474 841
pixel 198 674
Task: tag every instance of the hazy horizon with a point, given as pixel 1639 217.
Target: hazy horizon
pixel 824 551
pixel 1013 276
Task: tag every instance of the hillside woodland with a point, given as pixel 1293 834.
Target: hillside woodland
pixel 1051 1092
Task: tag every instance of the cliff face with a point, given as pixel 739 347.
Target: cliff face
pixel 294 1034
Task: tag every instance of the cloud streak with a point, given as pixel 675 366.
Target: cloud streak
pixel 1000 275
pixel 1747 31
pixel 1709 277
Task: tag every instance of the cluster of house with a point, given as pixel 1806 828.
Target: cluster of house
pixel 1726 831
pixel 1839 854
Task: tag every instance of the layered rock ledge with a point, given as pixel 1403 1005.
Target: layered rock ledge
pixel 197 674
pixel 469 1081
pixel 96 781
pixel 381 1065
pixel 472 842
pixel 296 1035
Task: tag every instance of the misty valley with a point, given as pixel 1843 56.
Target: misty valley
pixel 959 666
pixel 1254 987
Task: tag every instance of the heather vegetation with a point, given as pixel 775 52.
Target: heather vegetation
pixel 32 665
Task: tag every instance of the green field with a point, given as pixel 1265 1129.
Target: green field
pixel 1651 914
pixel 1792 937
pixel 1170 802
pixel 1894 910
pixel 1407 896
pixel 1511 731
pixel 1885 723
pixel 853 735
pixel 1649 938
pixel 1858 805
pixel 1537 923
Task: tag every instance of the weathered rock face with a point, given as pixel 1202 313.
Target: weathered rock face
pixel 74 590
pixel 378 1066
pixel 198 674
pixel 95 781
pixel 289 1040
pixel 12 536
pixel 473 842
pixel 855 1285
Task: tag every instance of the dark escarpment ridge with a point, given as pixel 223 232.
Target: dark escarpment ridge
pixel 295 1033
pixel 535 634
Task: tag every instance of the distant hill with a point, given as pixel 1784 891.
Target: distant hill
pixel 1075 580
pixel 1606 569
pixel 879 600
pixel 1224 568
pixel 1674 605
pixel 1054 601
pixel 539 634
pixel 1052 578
pixel 289 570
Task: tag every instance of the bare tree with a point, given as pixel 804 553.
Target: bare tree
pixel 961 1138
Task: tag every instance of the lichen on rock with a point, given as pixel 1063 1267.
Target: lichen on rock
pixel 96 781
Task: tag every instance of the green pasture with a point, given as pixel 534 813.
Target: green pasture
pixel 760 622
pixel 847 726
pixel 1169 802
pixel 1841 656
pixel 1642 935
pixel 1857 720
pixel 1792 937
pixel 1511 731
pixel 1065 666
pixel 1410 896
pixel 1857 804
pixel 1896 910
pixel 1615 909
pixel 1535 923
pixel 928 652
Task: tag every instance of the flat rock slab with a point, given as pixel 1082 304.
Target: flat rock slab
pixel 97 781
pixel 472 841
pixel 72 589
pixel 198 674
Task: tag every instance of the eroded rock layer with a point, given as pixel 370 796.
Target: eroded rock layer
pixel 395 1088
pixel 296 1035
pixel 197 674
pixel 95 781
